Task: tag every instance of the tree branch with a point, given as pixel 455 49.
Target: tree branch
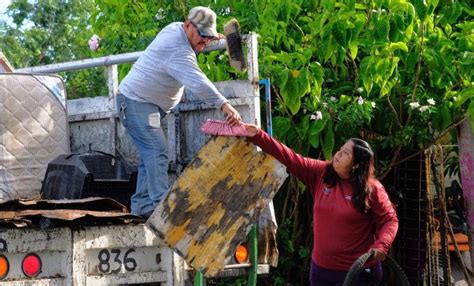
pixel 417 75
pixel 394 111
pixel 426 146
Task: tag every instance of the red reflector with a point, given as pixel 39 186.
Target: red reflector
pixel 4 267
pixel 31 265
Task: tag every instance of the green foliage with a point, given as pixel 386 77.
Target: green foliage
pixel 53 31
pixel 396 72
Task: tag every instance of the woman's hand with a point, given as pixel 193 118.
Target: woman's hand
pixel 378 255
pixel 251 129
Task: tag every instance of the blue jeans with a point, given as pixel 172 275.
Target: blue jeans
pixel 143 123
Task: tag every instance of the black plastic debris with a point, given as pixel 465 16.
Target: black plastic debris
pixel 91 174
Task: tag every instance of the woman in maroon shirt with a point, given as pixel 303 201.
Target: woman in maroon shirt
pixel 352 213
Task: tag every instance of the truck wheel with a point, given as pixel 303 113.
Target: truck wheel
pixel 353 273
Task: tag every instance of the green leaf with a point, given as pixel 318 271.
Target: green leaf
pixel 353 48
pixel 464 95
pixel 410 10
pixel 292 91
pixel 314 141
pixel 421 9
pixel 382 66
pixel 382 29
pixel 339 33
pixel 318 78
pixel 328 142
pixel 303 82
pixel 283 78
pixel 344 99
pixel 281 125
pixel 470 111
pixel 366 73
pixel 303 127
pixel 442 118
pixel 400 20
pixel 397 46
pixel 448 29
pixel 316 126
pixel 446 117
pixel 386 87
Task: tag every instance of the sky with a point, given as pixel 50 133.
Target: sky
pixel 3 8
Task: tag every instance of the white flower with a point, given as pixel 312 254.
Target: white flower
pixel 94 42
pixel 360 89
pixel 332 98
pixel 325 105
pixel 160 15
pixel 414 105
pixel 317 116
pixel 431 101
pixel 373 104
pixel 360 100
pixel 424 108
pixel 455 98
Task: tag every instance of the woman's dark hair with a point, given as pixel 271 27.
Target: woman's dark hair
pixel 363 159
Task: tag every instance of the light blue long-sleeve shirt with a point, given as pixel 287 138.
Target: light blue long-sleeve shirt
pixel 168 65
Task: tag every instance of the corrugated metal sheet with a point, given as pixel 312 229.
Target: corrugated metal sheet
pixel 83 211
pixel 214 202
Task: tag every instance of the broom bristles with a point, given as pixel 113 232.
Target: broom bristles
pixel 222 128
pixel 234 44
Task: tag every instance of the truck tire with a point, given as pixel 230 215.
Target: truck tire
pixel 353 273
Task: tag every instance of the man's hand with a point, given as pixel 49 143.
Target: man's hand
pixel 378 255
pixel 232 115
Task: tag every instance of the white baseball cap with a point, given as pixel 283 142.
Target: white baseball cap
pixel 205 20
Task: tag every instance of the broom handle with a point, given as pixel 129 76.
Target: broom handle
pixel 215 45
pixel 221 44
pixel 268 101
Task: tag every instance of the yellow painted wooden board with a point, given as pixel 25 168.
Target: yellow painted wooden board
pixel 215 200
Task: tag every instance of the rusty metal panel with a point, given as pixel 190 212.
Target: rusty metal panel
pixel 88 211
pixel 213 203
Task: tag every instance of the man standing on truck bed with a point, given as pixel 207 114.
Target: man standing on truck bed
pixel 153 86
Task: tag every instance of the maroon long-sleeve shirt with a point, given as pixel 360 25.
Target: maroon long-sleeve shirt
pixel 340 232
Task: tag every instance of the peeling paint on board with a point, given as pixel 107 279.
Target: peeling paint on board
pixel 213 203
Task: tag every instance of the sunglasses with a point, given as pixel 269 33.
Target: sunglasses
pixel 202 35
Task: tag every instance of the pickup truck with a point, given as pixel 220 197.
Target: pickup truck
pixel 95 241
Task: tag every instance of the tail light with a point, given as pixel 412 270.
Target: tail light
pixel 31 265
pixel 4 266
pixel 241 254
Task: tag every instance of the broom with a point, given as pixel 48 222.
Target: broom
pixel 234 45
pixel 222 128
